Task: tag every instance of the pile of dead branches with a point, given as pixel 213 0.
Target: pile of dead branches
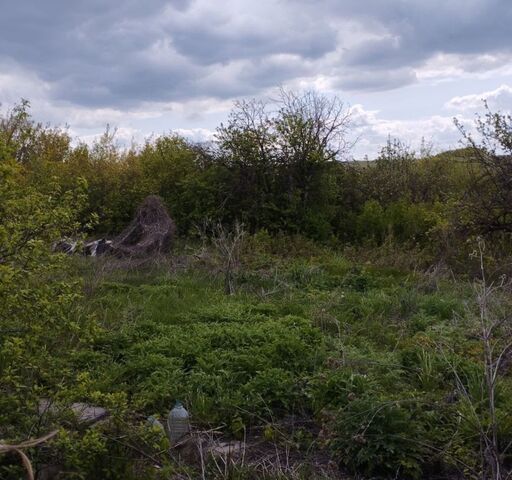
pixel 151 232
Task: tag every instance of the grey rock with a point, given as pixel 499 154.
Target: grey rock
pixel 88 413
pixel 85 413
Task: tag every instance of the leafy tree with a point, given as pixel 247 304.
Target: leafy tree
pixel 40 320
pixel 487 203
pixel 247 147
pixel 280 160
pixel 391 176
pixel 32 143
pixel 191 185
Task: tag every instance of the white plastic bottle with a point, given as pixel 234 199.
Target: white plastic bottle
pixel 155 424
pixel 178 423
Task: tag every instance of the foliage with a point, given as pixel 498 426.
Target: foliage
pixel 354 346
pixel 485 207
pixel 281 166
pixel 379 437
pixel 281 161
pixel 41 321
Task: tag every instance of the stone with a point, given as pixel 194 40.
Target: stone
pixel 84 413
pixel 88 413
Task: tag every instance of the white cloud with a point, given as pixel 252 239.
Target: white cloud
pixel 449 66
pixel 17 82
pixel 498 99
pixel 196 134
pixel 372 130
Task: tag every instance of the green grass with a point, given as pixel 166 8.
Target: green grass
pixel 364 353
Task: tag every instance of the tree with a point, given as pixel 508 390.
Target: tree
pixel 279 153
pixel 29 142
pixel 312 132
pixel 311 127
pixel 486 206
pixel 247 147
pixel 390 178
pixel 39 312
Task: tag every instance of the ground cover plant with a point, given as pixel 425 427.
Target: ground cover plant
pixel 316 354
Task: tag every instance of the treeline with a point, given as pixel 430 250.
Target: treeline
pixel 281 167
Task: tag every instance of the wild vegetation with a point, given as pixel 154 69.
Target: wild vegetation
pixel 338 318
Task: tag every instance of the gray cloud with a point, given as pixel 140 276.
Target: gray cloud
pixel 377 80
pixel 416 30
pixel 99 53
pixel 207 42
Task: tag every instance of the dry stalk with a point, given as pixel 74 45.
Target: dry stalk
pixel 18 449
pixel 495 335
pixel 228 244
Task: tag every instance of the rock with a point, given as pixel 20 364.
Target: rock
pixel 85 413
pixel 227 449
pixel 46 406
pixel 88 413
pixel 195 448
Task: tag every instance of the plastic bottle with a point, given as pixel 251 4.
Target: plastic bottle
pixel 178 423
pixel 153 423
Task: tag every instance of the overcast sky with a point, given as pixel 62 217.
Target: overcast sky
pixel 404 67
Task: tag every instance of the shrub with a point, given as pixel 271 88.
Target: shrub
pixel 40 315
pixel 379 437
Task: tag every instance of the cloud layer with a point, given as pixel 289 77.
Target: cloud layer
pixel 101 53
pixel 98 60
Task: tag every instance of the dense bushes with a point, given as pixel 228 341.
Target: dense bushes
pixel 227 361
pixel 371 355
pixel 282 170
pixel 278 170
pixel 352 351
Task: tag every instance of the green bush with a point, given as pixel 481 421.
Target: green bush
pixel 335 389
pixel 41 319
pixel 379 437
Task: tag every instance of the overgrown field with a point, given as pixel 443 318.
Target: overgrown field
pixel 323 366
pixel 327 315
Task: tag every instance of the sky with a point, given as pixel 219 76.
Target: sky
pixel 404 68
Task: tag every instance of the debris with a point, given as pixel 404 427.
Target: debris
pixel 178 423
pixel 65 246
pixel 155 424
pixel 150 232
pixel 97 247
